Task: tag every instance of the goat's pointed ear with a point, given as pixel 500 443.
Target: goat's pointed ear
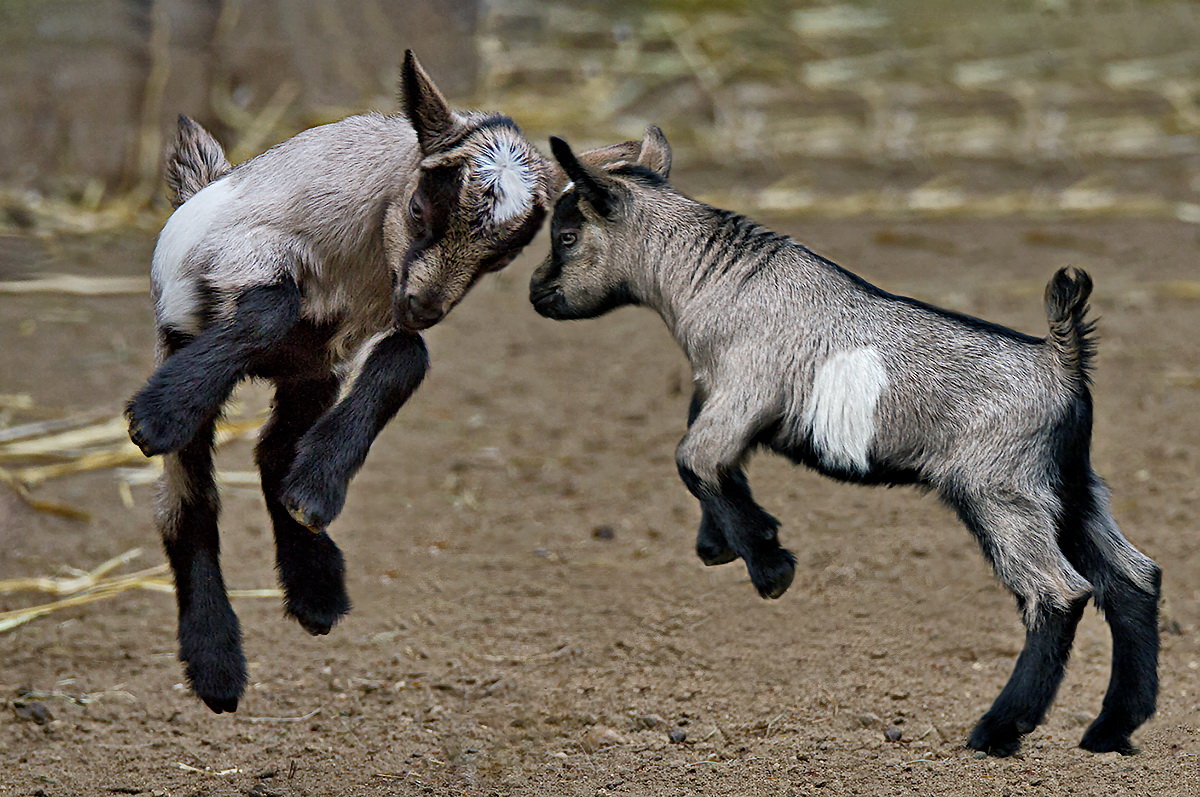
pixel 655 152
pixel 592 187
pixel 600 156
pixel 425 107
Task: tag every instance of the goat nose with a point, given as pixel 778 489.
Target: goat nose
pixel 423 311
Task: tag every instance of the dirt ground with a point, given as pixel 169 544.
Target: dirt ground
pixel 529 616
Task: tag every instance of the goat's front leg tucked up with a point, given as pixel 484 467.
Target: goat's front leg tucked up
pixel 311 568
pixel 333 450
pixel 709 460
pixel 711 545
pixel 190 386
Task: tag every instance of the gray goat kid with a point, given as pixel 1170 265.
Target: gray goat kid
pixel 794 354
pixel 314 265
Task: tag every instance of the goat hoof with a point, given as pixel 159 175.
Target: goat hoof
pixel 139 438
pixel 303 518
pixel 155 435
pixel 312 573
pixel 219 705
pixel 1101 737
pixel 997 738
pixel 713 556
pixel 315 628
pixel 772 571
pixel 319 621
pixel 312 498
pixel 220 689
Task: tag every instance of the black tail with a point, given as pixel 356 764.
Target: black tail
pixel 194 161
pixel 1071 334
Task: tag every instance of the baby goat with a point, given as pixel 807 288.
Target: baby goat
pixel 314 265
pixel 794 354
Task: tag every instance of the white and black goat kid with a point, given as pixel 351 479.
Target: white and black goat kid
pixel 794 354
pixel 314 265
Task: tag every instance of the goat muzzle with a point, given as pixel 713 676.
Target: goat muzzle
pixel 416 313
pixel 548 301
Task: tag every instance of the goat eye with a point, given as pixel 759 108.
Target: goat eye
pixel 415 210
pixel 568 238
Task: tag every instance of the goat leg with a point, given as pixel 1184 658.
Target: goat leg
pixel 709 460
pixel 333 450
pixel 190 386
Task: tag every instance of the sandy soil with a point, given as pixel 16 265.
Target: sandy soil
pixel 530 618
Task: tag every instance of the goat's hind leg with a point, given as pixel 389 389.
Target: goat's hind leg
pixel 1128 585
pixel 210 641
pixel 1018 535
pixel 311 568
pixel 709 461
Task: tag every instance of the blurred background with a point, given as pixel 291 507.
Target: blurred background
pixel 1032 108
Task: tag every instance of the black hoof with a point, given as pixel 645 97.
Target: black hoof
pixel 154 436
pixel 319 620
pixel 219 681
pixel 1103 736
pixel 711 545
pixel 312 520
pixel 995 737
pixel 312 572
pixel 713 556
pixel 220 705
pixel 312 501
pixel 772 571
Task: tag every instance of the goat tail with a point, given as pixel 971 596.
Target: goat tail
pixel 193 161
pixel 1072 335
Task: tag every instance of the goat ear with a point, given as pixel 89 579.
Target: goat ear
pixel 425 107
pixel 592 187
pixel 655 152
pixel 601 156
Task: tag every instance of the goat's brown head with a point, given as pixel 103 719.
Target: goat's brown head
pixel 481 195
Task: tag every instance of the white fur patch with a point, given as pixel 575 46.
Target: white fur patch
pixel 840 411
pixel 505 171
pixel 187 227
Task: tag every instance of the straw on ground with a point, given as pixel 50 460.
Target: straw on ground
pixel 82 587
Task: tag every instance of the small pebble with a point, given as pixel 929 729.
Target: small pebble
pixel 603 533
pixel 868 720
pixel 677 735
pixel 893 733
pixel 648 722
pixel 599 737
pixel 979 754
pixel 34 711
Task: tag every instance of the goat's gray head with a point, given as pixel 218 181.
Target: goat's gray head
pixel 481 195
pixel 596 229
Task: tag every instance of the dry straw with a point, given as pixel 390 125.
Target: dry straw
pixel 36 452
pixel 79 587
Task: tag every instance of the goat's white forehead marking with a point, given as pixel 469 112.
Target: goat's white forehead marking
pixel 504 169
pixel 840 410
pixel 174 283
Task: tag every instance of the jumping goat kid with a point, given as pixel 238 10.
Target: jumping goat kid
pixel 794 354
pixel 315 265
